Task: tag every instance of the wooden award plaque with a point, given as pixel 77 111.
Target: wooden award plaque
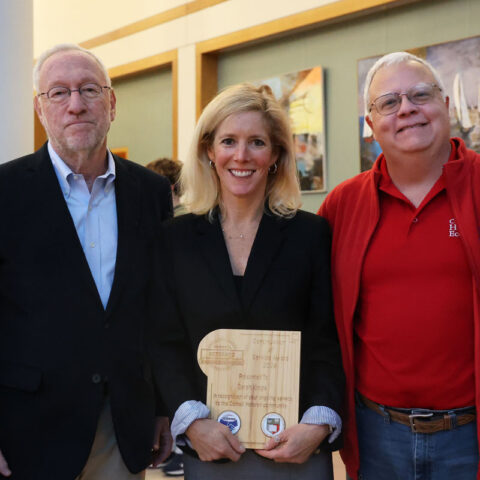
pixel 253 381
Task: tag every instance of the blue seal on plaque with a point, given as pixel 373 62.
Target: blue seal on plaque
pixel 231 420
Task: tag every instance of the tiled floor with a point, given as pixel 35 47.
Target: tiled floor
pixel 339 470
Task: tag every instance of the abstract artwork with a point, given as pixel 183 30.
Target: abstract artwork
pixel 302 96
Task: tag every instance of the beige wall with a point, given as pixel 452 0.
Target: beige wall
pixel 57 21
pixel 16 134
pixel 68 20
pixel 337 49
pixel 336 45
pixel 144 116
pixel 76 21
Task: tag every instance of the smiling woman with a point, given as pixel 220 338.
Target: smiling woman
pixel 242 155
pixel 248 258
pixel 271 127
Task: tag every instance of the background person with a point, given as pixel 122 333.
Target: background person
pixel 405 269
pixel 79 229
pixel 171 169
pixel 248 258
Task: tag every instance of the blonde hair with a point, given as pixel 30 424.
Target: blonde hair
pixel 200 182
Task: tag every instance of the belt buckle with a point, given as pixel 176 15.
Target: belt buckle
pixel 413 416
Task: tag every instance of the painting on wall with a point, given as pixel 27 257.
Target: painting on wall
pixel 302 96
pixel 458 64
pixel 120 152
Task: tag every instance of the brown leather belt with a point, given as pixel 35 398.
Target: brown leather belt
pixel 419 422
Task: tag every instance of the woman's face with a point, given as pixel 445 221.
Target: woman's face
pixel 242 152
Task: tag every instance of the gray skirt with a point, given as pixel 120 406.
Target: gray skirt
pixel 254 467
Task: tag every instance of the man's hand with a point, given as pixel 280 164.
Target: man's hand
pixel 4 470
pixel 162 441
pixel 212 440
pixel 295 444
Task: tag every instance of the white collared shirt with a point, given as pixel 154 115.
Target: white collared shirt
pixel 95 217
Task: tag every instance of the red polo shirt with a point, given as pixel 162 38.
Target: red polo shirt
pixel 414 327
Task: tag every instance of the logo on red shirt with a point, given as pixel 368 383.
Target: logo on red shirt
pixel 452 230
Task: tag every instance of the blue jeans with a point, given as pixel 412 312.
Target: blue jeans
pixel 391 451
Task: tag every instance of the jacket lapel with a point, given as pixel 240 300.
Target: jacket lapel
pixel 57 225
pixel 127 196
pixel 268 241
pixel 214 251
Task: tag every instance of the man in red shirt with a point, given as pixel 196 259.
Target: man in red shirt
pixel 406 284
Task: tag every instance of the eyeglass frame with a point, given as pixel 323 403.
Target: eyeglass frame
pixel 398 97
pixel 79 90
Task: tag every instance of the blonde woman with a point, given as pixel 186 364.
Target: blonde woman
pixel 246 257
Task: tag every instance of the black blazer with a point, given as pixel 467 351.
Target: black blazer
pixel 286 287
pixel 59 349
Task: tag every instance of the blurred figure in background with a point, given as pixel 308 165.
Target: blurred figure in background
pixel 171 169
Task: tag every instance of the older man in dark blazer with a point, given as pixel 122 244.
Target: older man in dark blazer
pixel 79 231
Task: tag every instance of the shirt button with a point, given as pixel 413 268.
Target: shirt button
pixel 76 177
pixel 90 208
pixel 415 220
pixel 96 378
pixel 92 245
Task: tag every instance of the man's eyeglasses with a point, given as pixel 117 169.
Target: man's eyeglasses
pixel 89 91
pixel 419 95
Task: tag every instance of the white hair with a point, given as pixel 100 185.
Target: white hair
pixel 396 58
pixel 65 47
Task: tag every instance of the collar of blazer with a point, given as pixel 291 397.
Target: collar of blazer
pixel 129 211
pixel 51 221
pixel 51 206
pixel 266 246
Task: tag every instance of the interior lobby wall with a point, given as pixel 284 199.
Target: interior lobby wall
pixel 337 49
pixel 59 21
pixel 144 116
pixel 335 45
pixel 16 49
pixel 69 21
pixel 128 32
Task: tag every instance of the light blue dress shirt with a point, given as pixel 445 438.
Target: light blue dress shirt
pixel 95 217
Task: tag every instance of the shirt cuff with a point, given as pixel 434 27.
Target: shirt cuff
pixel 323 416
pixel 185 415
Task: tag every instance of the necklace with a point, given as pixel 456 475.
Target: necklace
pixel 241 236
pixel 249 229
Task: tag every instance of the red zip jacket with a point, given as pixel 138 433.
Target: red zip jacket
pixel 352 209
